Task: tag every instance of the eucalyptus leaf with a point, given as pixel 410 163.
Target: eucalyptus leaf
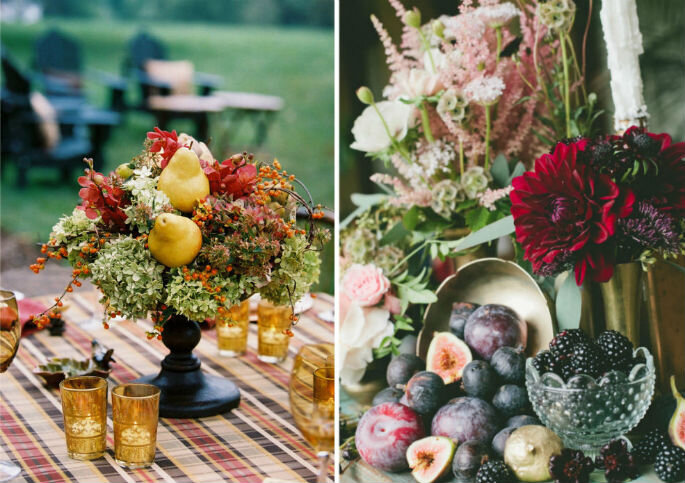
pixel 411 218
pixel 519 169
pixel 363 203
pixel 500 171
pixel 569 303
pixel 395 234
pixel 493 231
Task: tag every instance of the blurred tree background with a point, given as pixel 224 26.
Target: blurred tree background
pixel 362 62
pixel 276 47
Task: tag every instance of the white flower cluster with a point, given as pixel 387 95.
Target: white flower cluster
pixel 484 90
pixel 73 230
pixel 435 159
pixel 145 198
pixel 497 15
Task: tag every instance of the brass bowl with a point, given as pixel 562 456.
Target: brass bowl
pixel 491 281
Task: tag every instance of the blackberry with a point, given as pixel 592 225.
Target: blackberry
pixel 670 464
pixel 571 466
pixel 617 349
pixel 562 344
pixel 543 362
pixel 618 464
pixel 587 358
pixel 649 446
pixel 495 471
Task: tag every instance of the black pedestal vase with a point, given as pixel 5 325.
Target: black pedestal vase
pixel 187 392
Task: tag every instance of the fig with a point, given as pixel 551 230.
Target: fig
pixel 447 356
pixel 676 428
pixel 389 394
pixel 479 380
pixel 511 400
pixel 425 392
pixel 522 420
pixel 466 419
pixel 499 442
pixel 460 313
pixel 401 368
pixel 385 432
pixel 429 458
pixel 493 326
pixel 408 345
pixel 528 451
pixel 509 364
pixel 469 457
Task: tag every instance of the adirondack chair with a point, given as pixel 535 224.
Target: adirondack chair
pixel 59 63
pixel 34 133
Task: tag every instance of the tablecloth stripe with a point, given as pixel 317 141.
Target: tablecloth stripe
pixel 256 440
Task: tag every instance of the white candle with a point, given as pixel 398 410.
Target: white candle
pixel 624 45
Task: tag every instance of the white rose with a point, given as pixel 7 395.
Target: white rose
pixel 362 330
pixel 369 133
pixel 417 82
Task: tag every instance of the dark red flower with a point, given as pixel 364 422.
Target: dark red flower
pixel 234 176
pixel 563 207
pixel 663 185
pixel 165 142
pixel 101 197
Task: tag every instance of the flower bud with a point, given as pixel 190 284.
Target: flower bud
pixel 365 95
pixel 413 18
pixel 439 29
pixel 124 170
pixel 98 179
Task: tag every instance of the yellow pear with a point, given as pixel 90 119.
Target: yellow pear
pixel 174 240
pixel 183 180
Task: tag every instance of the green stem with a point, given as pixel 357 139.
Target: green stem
pixel 487 137
pixel 461 157
pixel 421 246
pixel 426 123
pixel 426 45
pixel 577 67
pixel 394 141
pixel 567 97
pixel 498 33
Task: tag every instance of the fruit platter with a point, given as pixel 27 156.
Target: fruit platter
pixel 478 405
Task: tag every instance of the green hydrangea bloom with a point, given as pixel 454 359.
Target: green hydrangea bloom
pixel 73 231
pixel 297 269
pixel 129 277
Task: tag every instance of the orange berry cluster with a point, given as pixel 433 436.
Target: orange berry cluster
pixel 270 180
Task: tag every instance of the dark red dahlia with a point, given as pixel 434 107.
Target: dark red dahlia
pixel 164 142
pixel 565 209
pixel 570 466
pixel 662 180
pixel 235 176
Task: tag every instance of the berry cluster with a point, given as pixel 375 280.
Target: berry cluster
pixel 656 448
pixel 572 353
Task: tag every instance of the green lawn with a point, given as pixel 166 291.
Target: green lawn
pixel 296 64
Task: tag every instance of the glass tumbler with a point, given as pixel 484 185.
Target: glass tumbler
pixel 135 414
pixel 232 328
pixel 272 323
pixel 84 407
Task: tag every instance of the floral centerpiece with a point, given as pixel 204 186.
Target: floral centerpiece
pixel 175 231
pixel 468 96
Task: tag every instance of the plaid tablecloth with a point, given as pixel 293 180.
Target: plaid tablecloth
pixel 255 441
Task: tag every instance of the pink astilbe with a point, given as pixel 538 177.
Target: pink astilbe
pixel 406 196
pixel 395 60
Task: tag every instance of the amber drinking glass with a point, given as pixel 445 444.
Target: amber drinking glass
pixel 272 323
pixel 10 329
pixel 232 328
pixel 10 333
pixel 84 407
pixel 135 414
pixel 312 399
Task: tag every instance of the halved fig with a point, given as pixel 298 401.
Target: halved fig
pixel 447 356
pixel 676 428
pixel 430 458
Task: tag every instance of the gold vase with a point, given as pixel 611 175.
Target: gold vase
pixel 665 293
pixel 622 297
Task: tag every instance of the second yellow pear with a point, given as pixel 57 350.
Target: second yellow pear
pixel 183 180
pixel 174 240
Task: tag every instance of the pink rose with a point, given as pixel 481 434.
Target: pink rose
pixel 365 284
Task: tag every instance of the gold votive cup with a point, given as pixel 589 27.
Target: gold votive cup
pixel 272 323
pixel 84 407
pixel 232 328
pixel 135 415
pixel 324 384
